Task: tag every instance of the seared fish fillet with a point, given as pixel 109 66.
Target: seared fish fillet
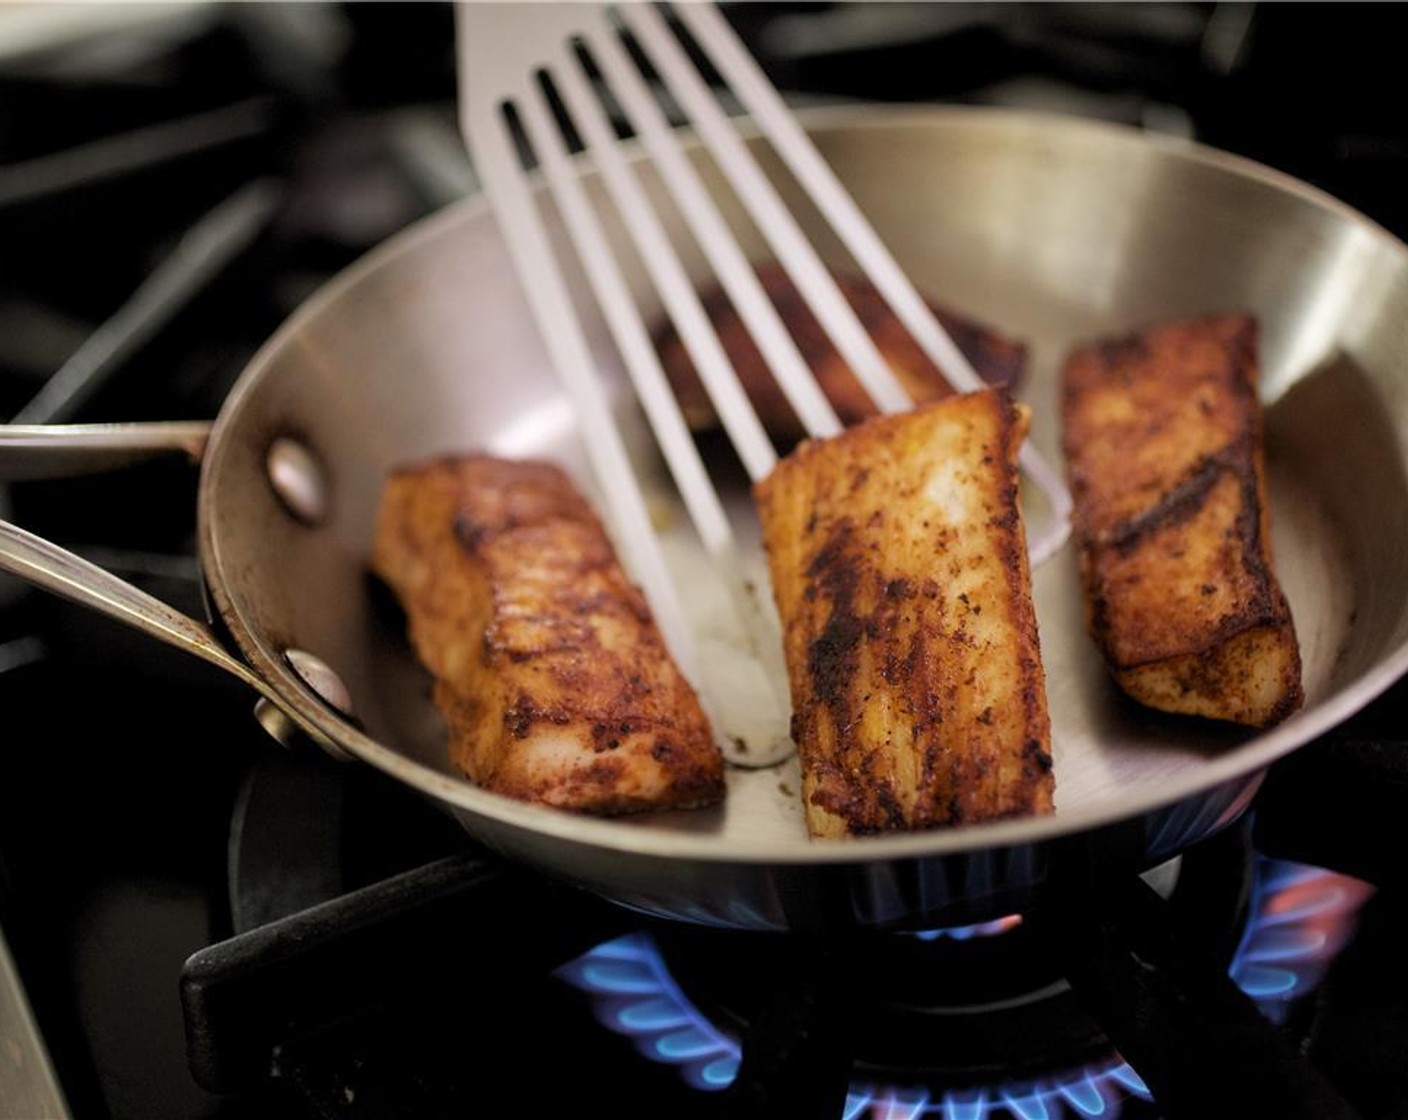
pixel 899 565
pixel 1163 446
pixel 998 360
pixel 553 678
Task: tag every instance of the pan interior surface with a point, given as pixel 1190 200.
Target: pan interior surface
pixel 1053 231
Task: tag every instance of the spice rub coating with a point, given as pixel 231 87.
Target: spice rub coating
pixel 999 360
pixel 899 566
pixel 1163 444
pixel 549 670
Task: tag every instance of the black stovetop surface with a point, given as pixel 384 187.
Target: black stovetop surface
pixel 153 843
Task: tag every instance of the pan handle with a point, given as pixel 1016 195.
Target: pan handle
pixel 40 451
pixel 61 451
pixel 65 574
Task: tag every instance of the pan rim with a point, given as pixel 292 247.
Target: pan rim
pixel 1243 763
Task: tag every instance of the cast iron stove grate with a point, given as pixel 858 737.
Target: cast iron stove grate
pixel 459 985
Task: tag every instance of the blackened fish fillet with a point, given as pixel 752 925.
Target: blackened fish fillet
pixel 1163 444
pixel 899 566
pixel 549 669
pixel 998 360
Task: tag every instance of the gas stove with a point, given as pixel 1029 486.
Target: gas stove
pixel 198 924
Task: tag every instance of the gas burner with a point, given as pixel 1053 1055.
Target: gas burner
pixel 1300 917
pixel 944 1008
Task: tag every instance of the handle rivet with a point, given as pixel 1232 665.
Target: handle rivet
pixel 298 478
pixel 319 676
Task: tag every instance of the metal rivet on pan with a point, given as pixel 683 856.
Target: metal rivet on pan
pixel 284 731
pixel 298 479
pixel 318 676
pixel 276 722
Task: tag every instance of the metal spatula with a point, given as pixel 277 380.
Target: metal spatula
pixel 524 70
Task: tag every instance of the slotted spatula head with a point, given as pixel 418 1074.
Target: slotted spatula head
pixel 540 81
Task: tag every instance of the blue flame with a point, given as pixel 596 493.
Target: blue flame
pixel 638 997
pixel 967 933
pixel 1300 917
pixel 1089 1091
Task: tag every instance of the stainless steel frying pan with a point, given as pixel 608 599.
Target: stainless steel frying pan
pixel 1052 229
